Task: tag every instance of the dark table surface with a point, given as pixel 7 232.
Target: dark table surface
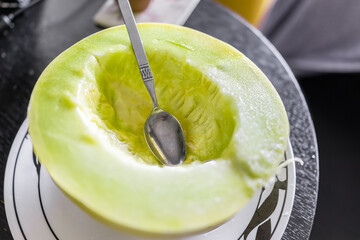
pixel 49 28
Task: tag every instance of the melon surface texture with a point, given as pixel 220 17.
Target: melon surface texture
pixel 86 117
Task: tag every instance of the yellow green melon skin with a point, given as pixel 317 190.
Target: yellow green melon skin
pixel 86 117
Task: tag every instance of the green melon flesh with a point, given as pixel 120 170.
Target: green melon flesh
pixel 86 117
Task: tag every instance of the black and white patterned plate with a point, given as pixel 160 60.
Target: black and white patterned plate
pixel 37 210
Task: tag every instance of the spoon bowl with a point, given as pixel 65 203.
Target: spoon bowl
pixel 165 137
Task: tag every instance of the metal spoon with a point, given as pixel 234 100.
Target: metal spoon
pixel 163 132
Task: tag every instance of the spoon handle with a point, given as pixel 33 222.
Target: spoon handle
pixel 138 48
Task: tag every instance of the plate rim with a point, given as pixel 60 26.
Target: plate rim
pixel 11 168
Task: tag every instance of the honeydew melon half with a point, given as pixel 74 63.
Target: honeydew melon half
pixel 86 117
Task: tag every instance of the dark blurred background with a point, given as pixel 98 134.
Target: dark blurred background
pixel 320 40
pixel 333 99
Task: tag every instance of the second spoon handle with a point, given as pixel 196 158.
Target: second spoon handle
pixel 138 48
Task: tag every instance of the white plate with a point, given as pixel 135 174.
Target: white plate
pixel 37 210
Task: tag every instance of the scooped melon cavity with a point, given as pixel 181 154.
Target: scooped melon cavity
pixel 206 114
pixel 89 106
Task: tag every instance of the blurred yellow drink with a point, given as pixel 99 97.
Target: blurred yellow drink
pixel 252 10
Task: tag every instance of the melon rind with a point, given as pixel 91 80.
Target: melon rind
pixel 90 164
